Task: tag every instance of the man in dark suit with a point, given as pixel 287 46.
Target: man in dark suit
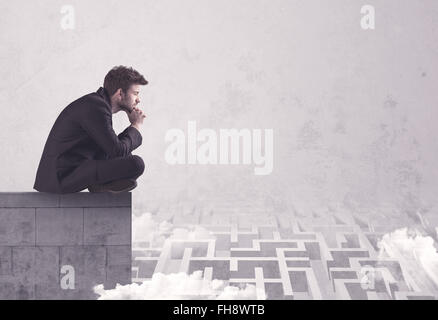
pixel 83 151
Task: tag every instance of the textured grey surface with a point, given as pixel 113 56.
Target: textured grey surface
pixel 352 110
pixel 94 237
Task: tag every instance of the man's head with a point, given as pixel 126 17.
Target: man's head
pixel 123 87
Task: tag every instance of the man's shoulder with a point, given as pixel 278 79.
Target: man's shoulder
pixel 91 102
pixel 92 97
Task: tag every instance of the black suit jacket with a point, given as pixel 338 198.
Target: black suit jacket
pixel 82 131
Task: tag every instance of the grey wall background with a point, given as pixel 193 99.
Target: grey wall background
pixel 353 111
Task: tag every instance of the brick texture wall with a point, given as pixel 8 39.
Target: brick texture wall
pixel 40 233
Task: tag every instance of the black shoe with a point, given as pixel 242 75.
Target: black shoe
pixel 117 186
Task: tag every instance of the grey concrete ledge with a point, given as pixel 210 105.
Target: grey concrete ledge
pixel 74 200
pixel 41 233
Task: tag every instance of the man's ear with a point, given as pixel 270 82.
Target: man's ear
pixel 119 93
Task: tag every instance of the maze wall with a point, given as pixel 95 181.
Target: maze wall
pixel 287 255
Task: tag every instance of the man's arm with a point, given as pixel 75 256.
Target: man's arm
pixel 130 131
pixel 97 122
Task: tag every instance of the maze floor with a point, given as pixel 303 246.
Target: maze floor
pixel 287 255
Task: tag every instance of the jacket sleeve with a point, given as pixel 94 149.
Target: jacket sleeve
pixel 97 123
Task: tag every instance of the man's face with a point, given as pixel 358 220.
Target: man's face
pixel 130 98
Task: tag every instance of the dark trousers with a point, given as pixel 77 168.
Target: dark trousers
pixel 92 172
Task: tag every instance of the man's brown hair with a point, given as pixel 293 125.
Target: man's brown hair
pixel 122 77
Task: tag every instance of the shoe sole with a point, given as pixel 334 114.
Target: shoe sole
pixel 117 187
pixel 123 189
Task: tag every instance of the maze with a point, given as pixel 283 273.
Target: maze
pixel 286 255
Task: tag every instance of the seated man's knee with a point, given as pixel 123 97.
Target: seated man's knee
pixel 138 165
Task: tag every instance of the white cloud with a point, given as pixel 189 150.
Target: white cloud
pixel 191 233
pixel 177 286
pixel 417 255
pixel 235 293
pixel 146 229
